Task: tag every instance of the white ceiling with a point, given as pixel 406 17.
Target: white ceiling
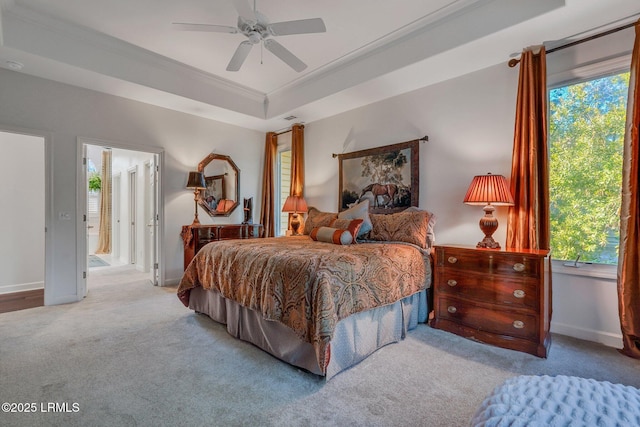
pixel 372 49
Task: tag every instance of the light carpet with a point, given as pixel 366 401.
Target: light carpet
pixel 131 354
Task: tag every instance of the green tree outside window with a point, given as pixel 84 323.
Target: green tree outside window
pixel 586 132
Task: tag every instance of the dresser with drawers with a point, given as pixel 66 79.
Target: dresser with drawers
pixel 499 297
pixel 195 236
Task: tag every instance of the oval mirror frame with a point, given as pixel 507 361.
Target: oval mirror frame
pixel 221 186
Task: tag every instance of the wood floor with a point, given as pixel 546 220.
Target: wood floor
pixel 21 300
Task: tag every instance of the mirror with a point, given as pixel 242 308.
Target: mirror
pixel 222 178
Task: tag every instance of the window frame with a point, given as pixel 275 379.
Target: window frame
pixel 576 75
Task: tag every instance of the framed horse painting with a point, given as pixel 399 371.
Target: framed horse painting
pixel 387 176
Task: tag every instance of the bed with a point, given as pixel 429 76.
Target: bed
pixel 530 400
pixel 319 305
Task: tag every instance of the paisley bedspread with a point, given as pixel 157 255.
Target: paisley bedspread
pixel 308 285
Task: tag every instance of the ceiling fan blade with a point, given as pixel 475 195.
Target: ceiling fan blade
pixel 241 54
pixel 302 26
pixel 287 57
pixel 244 9
pixel 182 26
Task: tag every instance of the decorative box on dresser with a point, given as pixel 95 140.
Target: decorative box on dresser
pixel 195 236
pixel 499 297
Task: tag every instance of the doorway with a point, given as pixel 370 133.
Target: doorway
pixel 23 168
pixel 133 200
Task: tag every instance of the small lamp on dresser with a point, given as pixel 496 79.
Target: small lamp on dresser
pixel 295 205
pixel 488 190
pixel 196 182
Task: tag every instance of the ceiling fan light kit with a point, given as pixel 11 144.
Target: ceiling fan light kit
pixel 256 27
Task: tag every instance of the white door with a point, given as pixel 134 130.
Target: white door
pixel 115 230
pixel 153 216
pixel 132 215
pixel 84 268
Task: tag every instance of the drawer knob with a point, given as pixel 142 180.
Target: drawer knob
pixel 519 267
pixel 451 282
pixel 452 260
pixel 519 293
pixel 518 324
pixel 451 309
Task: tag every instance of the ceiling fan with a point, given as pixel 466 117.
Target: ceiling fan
pixel 256 27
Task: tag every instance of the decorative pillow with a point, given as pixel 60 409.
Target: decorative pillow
pixel 431 237
pixel 316 218
pixel 224 205
pixel 351 225
pixel 359 211
pixel 331 235
pixel 409 227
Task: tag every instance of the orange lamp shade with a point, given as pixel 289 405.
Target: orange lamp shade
pixel 295 204
pixel 489 189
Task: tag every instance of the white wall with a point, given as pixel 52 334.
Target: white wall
pixel 66 113
pixel 22 193
pixel 469 121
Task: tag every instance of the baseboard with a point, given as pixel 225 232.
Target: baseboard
pixel 607 338
pixel 171 282
pixel 10 289
pixel 21 300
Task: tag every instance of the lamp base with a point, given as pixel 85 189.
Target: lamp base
pixel 196 221
pixel 488 225
pixel 488 243
pixel 295 225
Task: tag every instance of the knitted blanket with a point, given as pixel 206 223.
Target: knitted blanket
pixel 559 401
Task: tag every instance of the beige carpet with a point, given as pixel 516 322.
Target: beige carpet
pixel 131 355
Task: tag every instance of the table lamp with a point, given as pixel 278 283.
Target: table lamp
pixel 489 190
pixel 294 205
pixel 196 182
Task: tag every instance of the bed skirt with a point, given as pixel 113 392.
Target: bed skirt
pixel 355 337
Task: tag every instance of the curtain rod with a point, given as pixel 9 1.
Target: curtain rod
pixel 284 131
pixel 513 62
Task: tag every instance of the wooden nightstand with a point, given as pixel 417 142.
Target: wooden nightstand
pixel 499 297
pixel 196 236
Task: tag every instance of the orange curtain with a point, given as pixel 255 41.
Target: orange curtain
pixel 629 255
pixel 267 213
pixel 297 160
pixel 104 230
pixel 528 223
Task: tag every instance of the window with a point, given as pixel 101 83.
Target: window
pixel 586 132
pixel 283 187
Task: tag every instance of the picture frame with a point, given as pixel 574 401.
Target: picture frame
pixel 215 190
pixel 388 176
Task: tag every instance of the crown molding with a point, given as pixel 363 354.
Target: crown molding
pixel 445 30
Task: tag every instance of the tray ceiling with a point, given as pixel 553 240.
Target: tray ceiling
pixel 371 49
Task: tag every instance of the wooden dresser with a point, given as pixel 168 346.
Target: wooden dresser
pixel 499 297
pixel 196 236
